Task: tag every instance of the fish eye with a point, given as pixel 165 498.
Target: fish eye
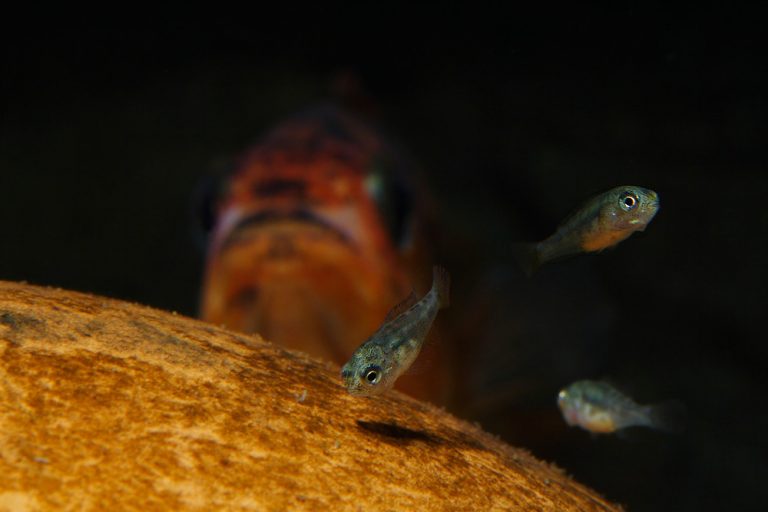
pixel 393 198
pixel 628 201
pixel 372 375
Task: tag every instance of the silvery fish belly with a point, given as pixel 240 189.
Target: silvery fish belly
pixel 381 359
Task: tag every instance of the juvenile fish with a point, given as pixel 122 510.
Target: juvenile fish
pixel 603 221
pixel 381 359
pixel 602 409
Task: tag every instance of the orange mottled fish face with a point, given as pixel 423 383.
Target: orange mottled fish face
pixel 303 253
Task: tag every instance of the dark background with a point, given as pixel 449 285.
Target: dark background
pixel 108 126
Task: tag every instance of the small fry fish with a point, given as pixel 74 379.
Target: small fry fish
pixel 603 221
pixel 381 359
pixel 602 409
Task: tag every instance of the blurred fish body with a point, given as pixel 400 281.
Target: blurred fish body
pixel 600 408
pixel 602 222
pixel 316 234
pixel 391 350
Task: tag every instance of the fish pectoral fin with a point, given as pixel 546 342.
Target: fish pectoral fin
pixel 402 307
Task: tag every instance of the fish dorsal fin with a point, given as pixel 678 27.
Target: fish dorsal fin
pixel 402 307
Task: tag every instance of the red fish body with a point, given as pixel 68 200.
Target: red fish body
pixel 303 251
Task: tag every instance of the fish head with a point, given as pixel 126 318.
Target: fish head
pixel 568 400
pixel 367 373
pixel 574 401
pixel 631 207
pixel 580 406
pixel 308 245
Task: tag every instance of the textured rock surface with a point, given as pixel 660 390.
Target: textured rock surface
pixel 108 405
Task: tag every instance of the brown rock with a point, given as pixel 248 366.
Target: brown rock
pixel 106 405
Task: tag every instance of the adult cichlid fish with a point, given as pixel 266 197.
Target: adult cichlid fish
pixel 603 221
pixel 381 359
pixel 602 409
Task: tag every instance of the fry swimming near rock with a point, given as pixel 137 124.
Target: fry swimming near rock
pixel 381 359
pixel 602 409
pixel 603 221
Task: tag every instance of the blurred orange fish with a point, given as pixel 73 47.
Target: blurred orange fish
pixel 316 237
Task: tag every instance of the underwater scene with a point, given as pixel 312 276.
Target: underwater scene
pixel 551 223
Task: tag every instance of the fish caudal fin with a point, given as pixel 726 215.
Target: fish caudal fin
pixel 668 416
pixel 441 283
pixel 527 256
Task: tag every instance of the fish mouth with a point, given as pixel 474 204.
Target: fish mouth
pixel 653 200
pixel 302 216
pixel 353 385
pixel 653 209
pixel 354 390
pixel 347 379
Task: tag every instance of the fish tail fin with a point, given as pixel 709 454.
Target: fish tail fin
pixel 668 416
pixel 528 257
pixel 441 283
